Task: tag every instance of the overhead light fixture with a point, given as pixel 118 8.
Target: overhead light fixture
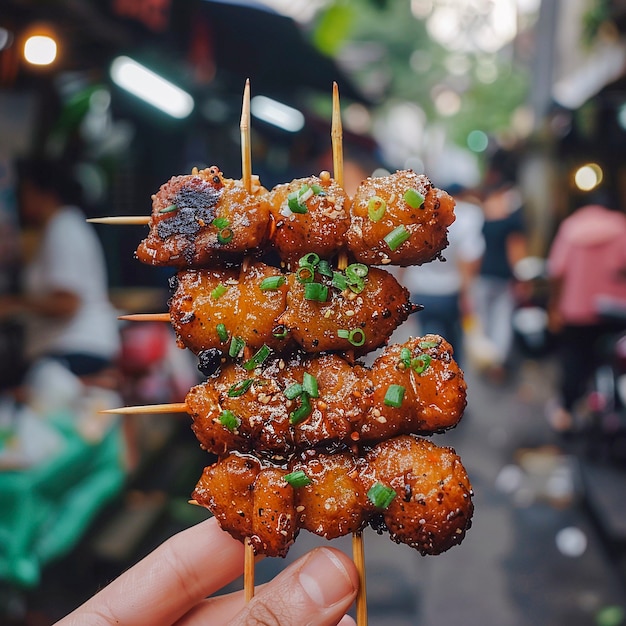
pixel 277 114
pixel 150 87
pixel 40 50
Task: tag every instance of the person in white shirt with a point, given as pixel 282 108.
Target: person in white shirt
pixel 64 303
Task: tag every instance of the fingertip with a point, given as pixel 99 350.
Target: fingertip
pixel 328 576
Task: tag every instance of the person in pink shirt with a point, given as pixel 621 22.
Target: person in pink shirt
pixel 587 269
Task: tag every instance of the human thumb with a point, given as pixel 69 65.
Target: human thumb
pixel 315 590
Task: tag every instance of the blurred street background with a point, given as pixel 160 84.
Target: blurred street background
pixel 517 107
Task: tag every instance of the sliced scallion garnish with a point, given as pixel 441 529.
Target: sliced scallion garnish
pixel 271 283
pixel 257 359
pixel 303 411
pixel 239 388
pixel 309 259
pixel 394 396
pixel 413 198
pixel 280 331
pixel 222 333
pixel 225 235
pixel 309 385
pixel 237 344
pixel 424 345
pixel 229 419
pixel 293 391
pixel 397 237
pixel 219 291
pixel 356 336
pixel 376 208
pixel 169 209
pixel 381 496
pixel 315 291
pixel 324 268
pixel 297 479
pixel 420 363
pixel 305 274
pixel 220 222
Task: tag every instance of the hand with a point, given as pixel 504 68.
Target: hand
pixel 171 584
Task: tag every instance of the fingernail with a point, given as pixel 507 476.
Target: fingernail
pixel 324 578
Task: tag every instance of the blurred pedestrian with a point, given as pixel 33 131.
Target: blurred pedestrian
pixel 63 302
pixel 444 286
pixel 587 270
pixel 505 244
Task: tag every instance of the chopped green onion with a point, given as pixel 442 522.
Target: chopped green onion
pixel 257 358
pixel 413 198
pixel 394 396
pixel 380 495
pixel 305 274
pixel 220 222
pixel 271 283
pixel 424 345
pixel 222 333
pixel 421 363
pixel 238 389
pixel 237 344
pixel 302 412
pixel 229 419
pixel 357 270
pixel 293 391
pixel 405 357
pixel 169 209
pixel 318 190
pixel 376 208
pixel 339 281
pixel 225 235
pixel 219 291
pixel 324 268
pixel 280 331
pixel 296 200
pixel 356 336
pixel 297 479
pixel 309 385
pixel 310 259
pixel 397 237
pixel 315 291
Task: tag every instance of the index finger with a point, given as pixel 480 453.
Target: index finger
pixel 168 582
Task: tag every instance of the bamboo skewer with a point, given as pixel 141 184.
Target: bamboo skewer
pixel 358 548
pixel 122 220
pixel 246 178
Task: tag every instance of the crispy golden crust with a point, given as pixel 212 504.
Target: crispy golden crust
pixel 321 228
pixel 264 411
pixel 435 391
pixel 183 227
pixel 374 313
pixel 233 297
pixel 350 405
pixel 426 224
pixel 430 508
pixel 433 507
pixel 283 316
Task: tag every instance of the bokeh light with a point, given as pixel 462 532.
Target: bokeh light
pixel 477 141
pixel 40 50
pixel 588 176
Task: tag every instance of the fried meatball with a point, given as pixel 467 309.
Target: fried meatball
pixel 413 387
pixel 401 219
pixel 311 215
pixel 211 306
pixel 360 320
pixel 432 507
pixel 203 219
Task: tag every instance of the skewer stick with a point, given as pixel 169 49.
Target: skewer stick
pixel 246 178
pixel 146 317
pixel 142 409
pixel 125 220
pixel 358 550
pixel 246 151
